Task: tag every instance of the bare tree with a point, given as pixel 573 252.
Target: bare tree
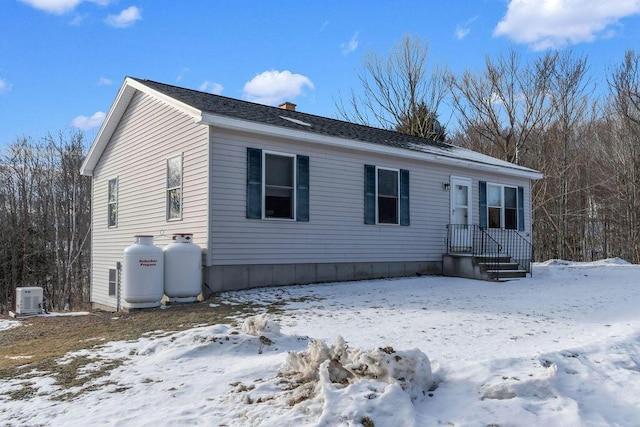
pixel 570 90
pixel 608 220
pixel 563 153
pixel 538 114
pixel 397 89
pixel 624 83
pixel 423 123
pixel 44 206
pixel 504 107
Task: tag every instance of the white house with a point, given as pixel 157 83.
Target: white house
pixel 275 196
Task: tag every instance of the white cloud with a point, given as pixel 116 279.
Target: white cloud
pixel 273 87
pixel 207 86
pixel 545 24
pixel 5 86
pixel 463 30
pixel 86 123
pixel 77 20
pixel 351 45
pixel 103 81
pixel 125 18
pixel 59 7
pixel 182 73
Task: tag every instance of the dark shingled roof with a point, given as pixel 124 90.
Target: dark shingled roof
pixel 244 110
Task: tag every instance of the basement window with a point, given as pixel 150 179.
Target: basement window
pixel 113 276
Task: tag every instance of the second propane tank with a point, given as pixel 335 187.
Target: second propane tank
pixel 182 269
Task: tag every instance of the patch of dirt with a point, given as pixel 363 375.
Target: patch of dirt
pixel 41 340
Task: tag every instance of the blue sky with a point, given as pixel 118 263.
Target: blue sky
pixel 62 61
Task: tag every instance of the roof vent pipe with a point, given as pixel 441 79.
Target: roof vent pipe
pixel 289 106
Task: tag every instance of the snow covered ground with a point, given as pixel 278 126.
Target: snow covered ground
pixel 559 349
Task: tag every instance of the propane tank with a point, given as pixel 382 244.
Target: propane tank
pixel 182 269
pixel 143 273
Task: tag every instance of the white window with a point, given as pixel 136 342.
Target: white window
pixel 387 195
pixel 112 203
pixel 502 206
pixel 174 188
pixel 279 185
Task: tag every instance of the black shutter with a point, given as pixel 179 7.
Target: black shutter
pixel 404 197
pixel 520 209
pixel 369 194
pixel 302 189
pixel 482 195
pixel 254 183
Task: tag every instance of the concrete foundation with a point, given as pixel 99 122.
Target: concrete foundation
pixel 461 266
pixel 235 277
pixel 481 267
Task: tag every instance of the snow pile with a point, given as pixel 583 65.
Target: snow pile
pixel 334 384
pixel 341 366
pixel 8 324
pixel 259 324
pixel 608 262
pixel 358 386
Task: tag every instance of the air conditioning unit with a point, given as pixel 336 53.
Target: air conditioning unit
pixel 29 300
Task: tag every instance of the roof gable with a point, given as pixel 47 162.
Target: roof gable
pixel 119 106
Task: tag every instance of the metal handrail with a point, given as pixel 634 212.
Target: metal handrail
pixel 473 240
pixel 490 244
pixel 517 247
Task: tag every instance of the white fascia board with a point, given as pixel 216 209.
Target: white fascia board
pixel 106 130
pixel 293 134
pixel 119 106
pixel 172 102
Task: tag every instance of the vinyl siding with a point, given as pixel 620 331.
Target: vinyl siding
pixel 214 198
pixel 148 134
pixel 336 231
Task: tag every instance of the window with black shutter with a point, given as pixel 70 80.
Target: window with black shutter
pixel 501 206
pixel 277 185
pixel 386 196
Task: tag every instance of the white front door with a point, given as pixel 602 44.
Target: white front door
pixel 460 237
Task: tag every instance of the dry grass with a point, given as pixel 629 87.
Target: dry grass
pixel 41 341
